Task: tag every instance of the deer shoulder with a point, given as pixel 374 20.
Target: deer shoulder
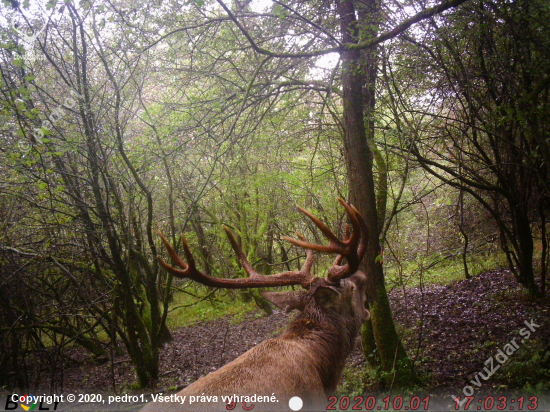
pixel 308 358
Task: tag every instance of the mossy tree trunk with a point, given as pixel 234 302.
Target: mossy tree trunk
pixel 359 74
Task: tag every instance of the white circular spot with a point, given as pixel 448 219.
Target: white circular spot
pixel 24 146
pixel 295 403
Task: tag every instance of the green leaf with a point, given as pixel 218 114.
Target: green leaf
pixel 280 12
pixel 198 3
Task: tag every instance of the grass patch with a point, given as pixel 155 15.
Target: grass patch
pixel 440 269
pixel 353 381
pixel 529 368
pixel 219 305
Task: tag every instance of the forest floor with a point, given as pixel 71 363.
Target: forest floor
pixel 449 331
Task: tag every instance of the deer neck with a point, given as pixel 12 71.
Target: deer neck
pixel 330 339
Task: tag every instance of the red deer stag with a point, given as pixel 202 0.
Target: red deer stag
pixel 308 358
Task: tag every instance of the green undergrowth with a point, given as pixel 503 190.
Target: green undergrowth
pixel 186 310
pixel 438 269
pixel 354 379
pixel 529 369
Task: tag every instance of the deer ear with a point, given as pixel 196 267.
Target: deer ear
pixel 287 300
pixel 327 296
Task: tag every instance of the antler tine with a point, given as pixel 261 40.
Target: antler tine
pixel 335 244
pixel 304 274
pixel 339 258
pixel 355 218
pixel 173 255
pixel 240 254
pixel 351 248
pixel 326 231
pixel 189 270
pixel 356 250
pixel 308 264
pixel 347 248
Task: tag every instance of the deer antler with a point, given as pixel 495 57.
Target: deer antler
pixel 348 249
pixel 351 248
pixel 189 270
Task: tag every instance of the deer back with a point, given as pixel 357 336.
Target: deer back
pixel 305 361
pixel 308 358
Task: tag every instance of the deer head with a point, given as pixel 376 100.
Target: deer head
pixel 307 359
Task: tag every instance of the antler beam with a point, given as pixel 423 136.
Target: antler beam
pixel 351 249
pixel 189 270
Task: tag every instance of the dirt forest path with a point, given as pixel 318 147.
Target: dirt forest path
pixel 450 331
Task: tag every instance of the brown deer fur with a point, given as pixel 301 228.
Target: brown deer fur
pixel 305 361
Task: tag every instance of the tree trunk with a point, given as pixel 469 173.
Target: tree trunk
pixel 461 228
pixel 359 164
pixel 525 249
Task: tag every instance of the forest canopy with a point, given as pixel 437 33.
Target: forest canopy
pixel 120 119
